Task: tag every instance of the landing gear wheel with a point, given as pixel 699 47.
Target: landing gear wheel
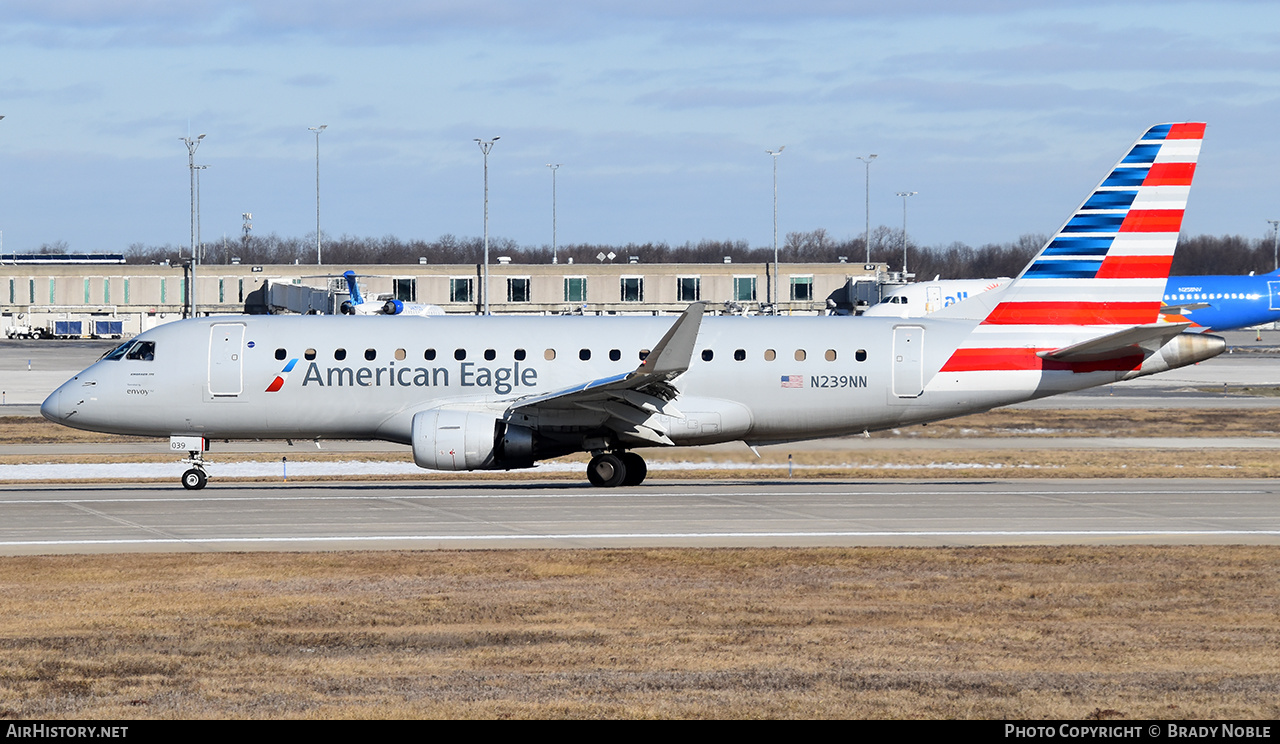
pixel 636 469
pixel 606 471
pixel 194 479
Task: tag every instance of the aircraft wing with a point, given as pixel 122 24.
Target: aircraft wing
pixel 1149 338
pixel 632 400
pixel 1183 308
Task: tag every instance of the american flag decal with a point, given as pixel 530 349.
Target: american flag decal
pixel 793 381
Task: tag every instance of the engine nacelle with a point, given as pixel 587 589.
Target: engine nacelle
pixel 393 307
pixel 347 307
pixel 444 439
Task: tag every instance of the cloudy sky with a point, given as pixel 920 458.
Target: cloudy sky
pixel 1002 114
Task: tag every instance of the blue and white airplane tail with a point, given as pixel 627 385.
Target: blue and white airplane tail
pixel 353 288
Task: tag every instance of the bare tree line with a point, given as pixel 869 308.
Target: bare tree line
pixel 1199 254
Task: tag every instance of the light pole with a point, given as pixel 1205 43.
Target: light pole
pixel 554 167
pixel 318 130
pixel 485 147
pixel 199 239
pixel 192 144
pixel 904 195
pixel 1275 240
pixel 868 160
pixel 769 286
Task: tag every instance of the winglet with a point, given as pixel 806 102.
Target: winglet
pixel 674 352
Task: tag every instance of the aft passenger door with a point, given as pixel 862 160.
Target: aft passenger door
pixel 226 359
pixel 908 361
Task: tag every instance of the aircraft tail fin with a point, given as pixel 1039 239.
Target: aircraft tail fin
pixel 1108 265
pixel 353 288
pixel 1103 271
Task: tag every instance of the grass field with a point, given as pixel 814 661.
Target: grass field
pixel 1024 633
pixel 1125 633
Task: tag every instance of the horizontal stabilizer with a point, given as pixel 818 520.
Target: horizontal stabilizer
pixel 1149 337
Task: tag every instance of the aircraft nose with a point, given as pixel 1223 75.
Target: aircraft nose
pixel 51 408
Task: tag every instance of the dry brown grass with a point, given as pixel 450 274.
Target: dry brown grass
pixel 1147 632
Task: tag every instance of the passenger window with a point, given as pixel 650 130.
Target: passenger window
pixel 309 354
pixel 400 355
pixel 429 355
pixel 339 354
pixel 519 355
pixel 459 354
pixel 860 355
pixel 281 354
pixel 830 356
pixel 584 354
pixel 800 355
pixel 144 351
pixel 644 354
pixel 770 355
pixel 549 354
pixel 370 354
pixel 740 355
pixel 490 355
pixel 707 355
pixel 614 355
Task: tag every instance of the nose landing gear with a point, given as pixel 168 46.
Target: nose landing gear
pixel 612 469
pixel 194 478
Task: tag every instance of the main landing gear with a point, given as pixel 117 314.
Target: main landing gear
pixel 611 469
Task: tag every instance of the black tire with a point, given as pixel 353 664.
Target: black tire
pixel 606 471
pixel 636 469
pixel 194 479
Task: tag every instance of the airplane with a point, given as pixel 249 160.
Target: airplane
pixel 923 298
pixel 501 393
pixel 1222 303
pixel 357 305
pixel 1207 303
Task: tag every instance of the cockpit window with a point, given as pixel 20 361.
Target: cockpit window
pixel 118 352
pixel 143 351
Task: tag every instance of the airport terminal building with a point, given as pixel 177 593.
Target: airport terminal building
pixel 109 297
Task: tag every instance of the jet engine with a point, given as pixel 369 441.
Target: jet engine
pixel 347 308
pixel 446 439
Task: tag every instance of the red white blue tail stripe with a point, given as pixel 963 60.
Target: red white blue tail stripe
pixel 1105 269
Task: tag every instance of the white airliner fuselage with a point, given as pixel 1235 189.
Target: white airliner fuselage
pixel 469 393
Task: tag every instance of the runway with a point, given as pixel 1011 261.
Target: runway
pixel 399 515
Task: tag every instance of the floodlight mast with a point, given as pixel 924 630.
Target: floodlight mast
pixel 772 289
pixel 192 144
pixel 485 147
pixel 554 167
pixel 868 160
pixel 1275 241
pixel 318 130
pixel 904 195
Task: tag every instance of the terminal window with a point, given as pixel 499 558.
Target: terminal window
pixel 744 288
pixel 460 290
pixel 518 289
pixel 633 289
pixel 575 289
pixel 802 288
pixel 689 288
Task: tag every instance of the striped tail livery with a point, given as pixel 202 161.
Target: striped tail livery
pixel 1090 300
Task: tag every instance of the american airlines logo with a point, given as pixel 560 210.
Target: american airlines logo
pixel 278 383
pixel 501 380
